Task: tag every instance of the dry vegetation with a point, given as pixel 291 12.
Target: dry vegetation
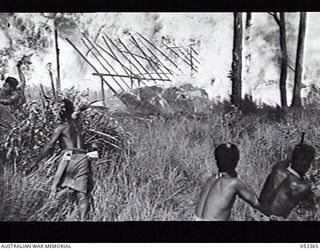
pixel 163 164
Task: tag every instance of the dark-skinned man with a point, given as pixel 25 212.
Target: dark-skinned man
pixel 74 169
pixel 286 185
pixel 221 189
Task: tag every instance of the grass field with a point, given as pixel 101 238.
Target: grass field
pixel 172 158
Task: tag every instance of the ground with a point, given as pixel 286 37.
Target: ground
pixel 171 158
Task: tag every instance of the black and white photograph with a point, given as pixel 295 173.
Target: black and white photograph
pixel 158 116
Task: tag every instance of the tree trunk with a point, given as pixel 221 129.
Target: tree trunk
pixel 284 61
pixel 248 51
pixel 296 99
pixel 237 60
pixel 57 56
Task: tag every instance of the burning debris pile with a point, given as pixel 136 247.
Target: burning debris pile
pixel 156 100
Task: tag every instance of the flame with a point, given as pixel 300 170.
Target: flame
pixel 25 33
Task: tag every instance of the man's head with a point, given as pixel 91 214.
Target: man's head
pixel 10 84
pixel 302 157
pixel 66 110
pixel 227 157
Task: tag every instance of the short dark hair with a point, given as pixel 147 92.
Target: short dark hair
pixel 69 109
pixel 13 82
pixel 227 157
pixel 302 152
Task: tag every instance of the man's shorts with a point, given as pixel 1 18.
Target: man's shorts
pixel 74 172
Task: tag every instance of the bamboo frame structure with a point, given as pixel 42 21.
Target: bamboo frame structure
pixel 147 62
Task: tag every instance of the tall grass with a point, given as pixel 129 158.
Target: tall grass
pixel 160 179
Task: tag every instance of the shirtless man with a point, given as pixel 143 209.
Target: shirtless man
pixel 74 170
pixel 12 92
pixel 285 186
pixel 220 191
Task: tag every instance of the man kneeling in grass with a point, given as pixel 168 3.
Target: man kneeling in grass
pixel 220 191
pixel 286 187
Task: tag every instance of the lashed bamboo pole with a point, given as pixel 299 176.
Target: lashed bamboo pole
pixel 194 51
pixel 94 47
pixel 134 77
pixel 96 38
pixel 95 56
pixel 109 64
pixel 139 56
pixel 185 56
pixel 134 41
pixel 158 59
pixel 103 93
pixel 57 55
pixel 184 60
pixel 193 57
pixel 156 71
pixel 95 69
pixel 133 56
pixel 190 52
pixel 115 58
pixel 123 55
pixel 185 49
pixel 52 83
pixel 162 53
pixel 126 48
pixel 147 72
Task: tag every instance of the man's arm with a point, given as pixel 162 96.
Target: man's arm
pixel 10 100
pixel 247 194
pixel 309 202
pixel 49 147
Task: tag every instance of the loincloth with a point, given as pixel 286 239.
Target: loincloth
pixel 73 171
pixel 196 218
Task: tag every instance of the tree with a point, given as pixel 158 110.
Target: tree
pixel 248 49
pixel 296 99
pixel 236 60
pixel 284 57
pixel 53 16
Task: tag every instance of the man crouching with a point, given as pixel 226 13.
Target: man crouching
pixel 74 170
pixel 220 191
pixel 286 186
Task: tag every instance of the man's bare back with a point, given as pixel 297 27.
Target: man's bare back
pixel 283 190
pixel 218 196
pixel 69 137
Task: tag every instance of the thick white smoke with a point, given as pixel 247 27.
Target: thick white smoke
pixel 214 31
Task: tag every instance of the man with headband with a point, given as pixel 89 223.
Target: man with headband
pixel 286 186
pixel 220 191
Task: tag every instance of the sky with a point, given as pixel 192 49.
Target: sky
pixel 212 31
